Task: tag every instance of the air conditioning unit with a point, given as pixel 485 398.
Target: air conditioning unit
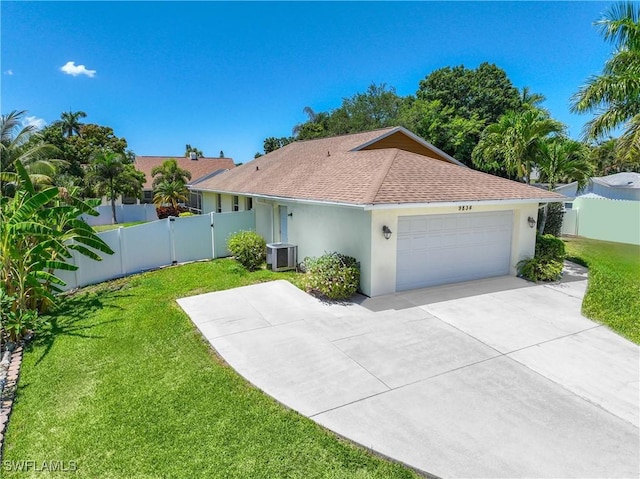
pixel 281 256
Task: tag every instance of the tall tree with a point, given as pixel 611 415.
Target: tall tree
pixel 188 149
pixel 485 91
pixel 512 146
pixel 614 95
pixel 562 160
pixel 70 122
pixel 272 143
pixel 20 143
pixel 170 171
pixel 111 175
pixel 170 193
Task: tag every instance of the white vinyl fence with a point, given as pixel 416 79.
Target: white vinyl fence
pixel 158 243
pixel 124 214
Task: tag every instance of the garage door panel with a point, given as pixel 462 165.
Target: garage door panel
pixel 439 249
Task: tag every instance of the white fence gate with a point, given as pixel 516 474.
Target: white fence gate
pixel 159 243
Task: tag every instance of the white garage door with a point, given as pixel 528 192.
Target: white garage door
pixel 439 249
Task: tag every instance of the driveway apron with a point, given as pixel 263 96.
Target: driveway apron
pixel 489 378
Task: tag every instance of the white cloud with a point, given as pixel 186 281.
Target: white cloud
pixel 70 68
pixel 9 72
pixel 39 123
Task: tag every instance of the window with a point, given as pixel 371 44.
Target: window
pixel 249 203
pixel 195 202
pixel 568 206
pixel 129 200
pixel 236 203
pixel 218 203
pixel 147 196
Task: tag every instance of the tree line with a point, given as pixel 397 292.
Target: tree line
pixel 480 118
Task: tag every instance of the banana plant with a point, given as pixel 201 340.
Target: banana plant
pixel 40 229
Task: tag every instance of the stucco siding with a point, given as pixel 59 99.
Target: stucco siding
pixel 317 229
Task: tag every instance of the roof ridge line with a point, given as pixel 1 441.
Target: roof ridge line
pixel 378 180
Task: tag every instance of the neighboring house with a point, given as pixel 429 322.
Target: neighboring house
pixel 619 186
pixel 445 222
pixel 608 208
pixel 200 168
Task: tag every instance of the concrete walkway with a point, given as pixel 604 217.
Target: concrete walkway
pixel 490 378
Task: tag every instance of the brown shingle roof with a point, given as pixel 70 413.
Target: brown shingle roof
pixel 328 170
pixel 198 168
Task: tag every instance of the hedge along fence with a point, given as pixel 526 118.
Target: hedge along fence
pixel 159 243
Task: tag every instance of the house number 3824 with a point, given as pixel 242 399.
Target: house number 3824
pixel 464 208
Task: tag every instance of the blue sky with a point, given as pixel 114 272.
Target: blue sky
pixel 223 76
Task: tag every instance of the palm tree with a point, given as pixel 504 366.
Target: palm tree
pixel 170 192
pixel 111 176
pixel 512 145
pixel 529 99
pixel 16 144
pixel 614 95
pixel 70 123
pixel 169 171
pixel 562 160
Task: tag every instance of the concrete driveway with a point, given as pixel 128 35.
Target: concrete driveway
pixel 490 378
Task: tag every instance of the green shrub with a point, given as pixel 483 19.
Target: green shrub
pixel 538 269
pixel 186 213
pixel 549 247
pixel 334 275
pixel 249 248
pixel 548 261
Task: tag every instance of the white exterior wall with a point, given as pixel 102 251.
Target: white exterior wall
pixel 209 202
pixel 384 252
pixel 317 229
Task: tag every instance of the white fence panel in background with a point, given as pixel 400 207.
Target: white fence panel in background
pixel 570 222
pixel 158 243
pixel 146 246
pixel 192 238
pixel 124 214
pixel 225 224
pixel 90 271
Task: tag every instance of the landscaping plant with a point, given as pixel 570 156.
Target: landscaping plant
pixel 39 231
pixel 334 275
pixel 547 263
pixel 249 248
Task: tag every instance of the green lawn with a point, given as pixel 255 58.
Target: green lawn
pixel 613 292
pixel 113 227
pixel 124 385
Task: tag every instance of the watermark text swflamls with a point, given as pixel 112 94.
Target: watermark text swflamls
pixel 40 466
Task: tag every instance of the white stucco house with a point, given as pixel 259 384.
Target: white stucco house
pixel 447 223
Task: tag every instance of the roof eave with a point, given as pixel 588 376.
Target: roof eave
pixel 440 204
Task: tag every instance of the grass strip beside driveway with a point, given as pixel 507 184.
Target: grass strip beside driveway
pixel 613 292
pixel 124 385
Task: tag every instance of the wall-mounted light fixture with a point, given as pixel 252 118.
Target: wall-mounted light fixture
pixel 386 232
pixel 290 215
pixel 531 221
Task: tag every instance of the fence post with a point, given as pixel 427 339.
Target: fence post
pixel 172 239
pixel 213 241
